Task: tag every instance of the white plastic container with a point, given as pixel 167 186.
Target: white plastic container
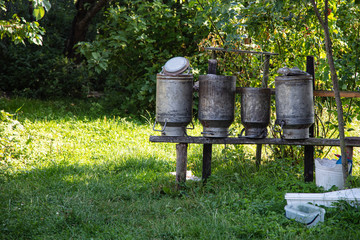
pixel 351 196
pixel 328 173
pixel 305 213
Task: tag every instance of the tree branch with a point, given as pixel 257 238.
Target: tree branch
pixel 317 13
pixel 326 13
pixel 93 11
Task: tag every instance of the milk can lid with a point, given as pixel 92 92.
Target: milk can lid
pixel 176 65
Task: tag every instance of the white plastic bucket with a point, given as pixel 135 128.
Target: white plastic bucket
pixel 328 173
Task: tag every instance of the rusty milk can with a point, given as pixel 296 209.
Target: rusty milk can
pixel 255 111
pixel 216 104
pixel 294 103
pixel 174 91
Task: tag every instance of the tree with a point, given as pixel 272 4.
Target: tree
pixel 86 10
pixel 328 45
pixel 18 29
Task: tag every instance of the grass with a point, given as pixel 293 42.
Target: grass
pixel 68 171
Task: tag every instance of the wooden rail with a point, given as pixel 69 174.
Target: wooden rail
pixel 350 141
pixel 239 51
pixel 321 93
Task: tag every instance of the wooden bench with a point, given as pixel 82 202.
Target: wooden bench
pixel 182 142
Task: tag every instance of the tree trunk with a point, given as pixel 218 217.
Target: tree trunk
pixel 86 10
pixel 31 11
pixel 334 78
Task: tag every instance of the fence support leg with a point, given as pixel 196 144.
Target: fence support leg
pixel 258 155
pixel 207 152
pixel 309 163
pixel 264 84
pixel 181 162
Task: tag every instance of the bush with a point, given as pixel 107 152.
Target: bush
pixel 42 71
pixel 135 41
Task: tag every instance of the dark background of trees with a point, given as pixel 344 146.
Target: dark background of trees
pixel 123 44
pixel 142 36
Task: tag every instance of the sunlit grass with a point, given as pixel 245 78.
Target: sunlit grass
pixel 69 171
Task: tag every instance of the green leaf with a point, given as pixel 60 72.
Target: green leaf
pixel 96 55
pixel 39 12
pixel 47 5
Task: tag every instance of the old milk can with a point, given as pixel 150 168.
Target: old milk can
pixel 216 104
pixel 255 111
pixel 294 103
pixel 174 89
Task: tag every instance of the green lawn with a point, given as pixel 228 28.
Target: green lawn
pixel 68 171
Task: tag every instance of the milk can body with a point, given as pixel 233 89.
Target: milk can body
pixel 174 103
pixel 294 105
pixel 255 111
pixel 216 104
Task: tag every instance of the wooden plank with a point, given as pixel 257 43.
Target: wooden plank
pixel 181 162
pixel 350 141
pixel 345 94
pixel 239 51
pixel 320 93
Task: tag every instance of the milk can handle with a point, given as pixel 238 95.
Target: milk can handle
pixel 242 132
pixel 162 130
pixel 263 134
pixel 282 123
pixel 191 128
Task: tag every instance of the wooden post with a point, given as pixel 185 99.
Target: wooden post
pixel 264 84
pixel 207 152
pixel 207 148
pixel 266 71
pixel 181 162
pixel 309 150
pixel 212 66
pixel 258 155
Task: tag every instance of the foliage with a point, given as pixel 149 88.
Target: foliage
pixel 12 141
pixel 291 29
pixel 135 40
pixel 81 174
pixel 43 72
pixel 18 29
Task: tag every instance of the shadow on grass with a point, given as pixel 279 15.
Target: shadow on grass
pixel 127 200
pixel 64 201
pixel 58 110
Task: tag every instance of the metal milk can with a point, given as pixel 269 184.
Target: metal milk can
pixel 174 97
pixel 294 103
pixel 255 111
pixel 216 104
